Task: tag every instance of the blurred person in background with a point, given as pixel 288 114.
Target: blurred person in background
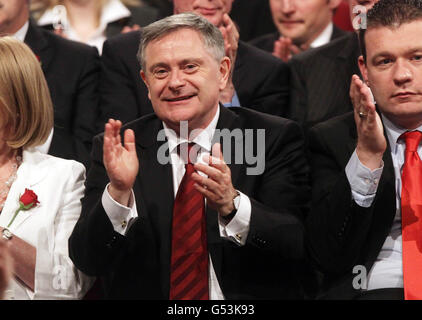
pixel 301 25
pixel 92 21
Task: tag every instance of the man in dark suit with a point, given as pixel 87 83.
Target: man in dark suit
pixel 364 229
pixel 71 70
pixel 251 233
pixel 300 25
pixel 259 81
pixel 320 78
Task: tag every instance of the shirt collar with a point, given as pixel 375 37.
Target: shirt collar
pixel 204 139
pixel 112 11
pixel 324 37
pixel 394 132
pixel 21 33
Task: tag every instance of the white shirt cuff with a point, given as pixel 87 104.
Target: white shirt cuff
pixel 119 215
pixel 363 182
pixel 238 228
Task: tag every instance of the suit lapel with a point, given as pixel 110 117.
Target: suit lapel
pixel 39 45
pixel 27 177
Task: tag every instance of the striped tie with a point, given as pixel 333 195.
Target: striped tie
pixel 189 257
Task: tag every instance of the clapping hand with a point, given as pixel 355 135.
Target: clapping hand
pixel 217 187
pixel 285 49
pixel 231 43
pixel 371 140
pixel 120 161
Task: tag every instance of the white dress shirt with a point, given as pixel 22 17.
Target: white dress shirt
pixel 387 271
pixel 112 11
pixel 324 37
pixel 236 230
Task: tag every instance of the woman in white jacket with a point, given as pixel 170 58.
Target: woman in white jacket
pixel 39 194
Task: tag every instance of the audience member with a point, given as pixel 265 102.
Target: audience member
pixel 320 78
pixel 245 228
pixel 92 21
pixel 259 81
pixel 365 226
pixel 71 70
pixel 301 25
pixel 47 188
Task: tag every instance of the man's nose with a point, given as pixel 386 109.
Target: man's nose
pixel 402 72
pixel 176 80
pixel 287 6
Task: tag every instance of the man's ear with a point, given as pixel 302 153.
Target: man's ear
pixel 225 70
pixel 363 69
pixel 144 79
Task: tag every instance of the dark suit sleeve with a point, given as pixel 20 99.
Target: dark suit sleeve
pixel 86 99
pixel 76 112
pixel 94 246
pixel 261 80
pixel 337 227
pixel 272 96
pixel 298 94
pixel 117 88
pixel 280 204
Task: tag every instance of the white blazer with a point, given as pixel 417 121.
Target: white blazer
pixel 59 185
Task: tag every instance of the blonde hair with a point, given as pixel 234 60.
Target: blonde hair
pixel 25 103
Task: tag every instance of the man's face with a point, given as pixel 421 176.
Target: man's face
pixel 13 15
pixel 394 71
pixel 212 10
pixel 184 80
pixel 302 20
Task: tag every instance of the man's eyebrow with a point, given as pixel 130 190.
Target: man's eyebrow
pixel 191 60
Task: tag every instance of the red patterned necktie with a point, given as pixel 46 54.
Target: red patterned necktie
pixel 189 256
pixel 411 211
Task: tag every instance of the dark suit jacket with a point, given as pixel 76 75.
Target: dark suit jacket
pixel 137 266
pixel 253 18
pixel 260 80
pixel 71 70
pixel 266 42
pixel 341 233
pixel 320 81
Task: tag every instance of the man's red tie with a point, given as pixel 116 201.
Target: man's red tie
pixel 189 257
pixel 411 211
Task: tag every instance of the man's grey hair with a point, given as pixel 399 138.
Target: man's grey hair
pixel 211 35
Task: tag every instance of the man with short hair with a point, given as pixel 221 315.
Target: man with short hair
pixel 320 78
pixel 166 215
pixel 71 70
pixel 365 226
pixel 258 81
pixel 301 25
